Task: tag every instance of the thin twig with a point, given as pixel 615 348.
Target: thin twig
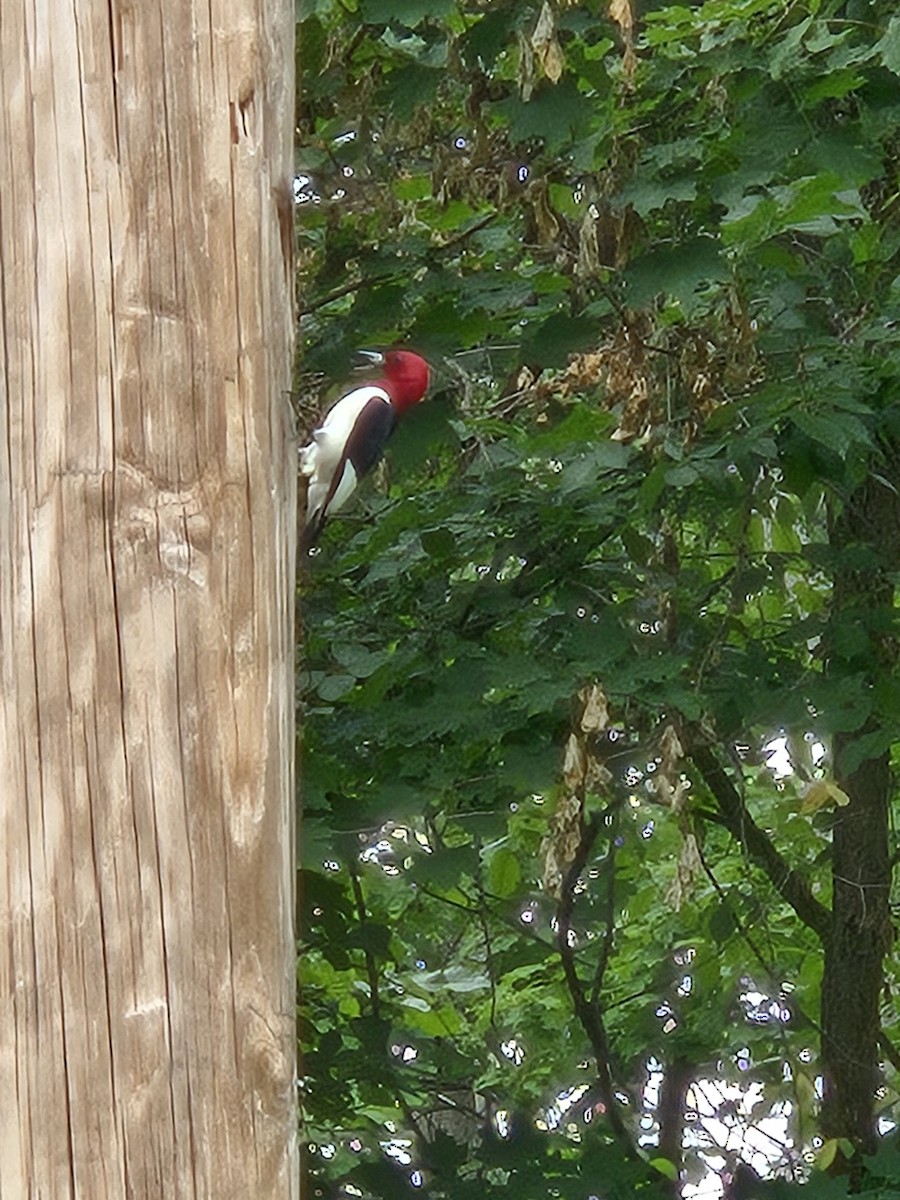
pixel 488 951
pixel 371 964
pixel 890 1051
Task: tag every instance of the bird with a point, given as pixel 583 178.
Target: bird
pixel 351 439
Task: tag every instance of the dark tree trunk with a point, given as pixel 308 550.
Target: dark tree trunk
pixel 679 1075
pixel 866 536
pixel 853 977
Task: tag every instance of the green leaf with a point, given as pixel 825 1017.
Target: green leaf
pixel 358 660
pixel 556 338
pixel 867 748
pixel 834 85
pixel 751 220
pixel 788 50
pixel 722 923
pixel 312 36
pixel 456 979
pixel 410 13
pixel 409 86
pixel 645 195
pixel 371 936
pixel 838 431
pixel 412 187
pixel 665 1167
pixel 439 543
pixel 804 203
pixel 681 476
pixel 684 272
pixel 888 49
pixel 486 37
pixel 504 872
pixel 444 868
pixel 564 201
pixel 421 1015
pixel 333 687
pixel 811 205
pixel 558 114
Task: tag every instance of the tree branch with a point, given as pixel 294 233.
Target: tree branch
pixel 354 285
pixel 733 814
pixel 588 1012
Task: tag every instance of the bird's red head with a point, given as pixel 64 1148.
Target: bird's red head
pixel 406 378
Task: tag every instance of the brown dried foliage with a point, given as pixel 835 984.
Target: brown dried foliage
pixel 653 377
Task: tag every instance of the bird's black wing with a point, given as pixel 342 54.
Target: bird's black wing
pixel 370 433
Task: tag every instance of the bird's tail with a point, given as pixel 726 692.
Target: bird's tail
pixel 309 525
pixel 310 532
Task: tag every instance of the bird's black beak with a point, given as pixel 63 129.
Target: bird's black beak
pixel 368 358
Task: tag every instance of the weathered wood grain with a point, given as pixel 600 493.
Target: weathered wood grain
pixel 147 478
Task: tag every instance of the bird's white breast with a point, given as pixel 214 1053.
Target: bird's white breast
pixel 322 457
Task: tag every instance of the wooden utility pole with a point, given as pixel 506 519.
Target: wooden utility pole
pixel 147 491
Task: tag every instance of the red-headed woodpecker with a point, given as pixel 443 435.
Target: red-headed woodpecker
pixel 351 439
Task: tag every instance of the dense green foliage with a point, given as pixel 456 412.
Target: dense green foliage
pixel 646 525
